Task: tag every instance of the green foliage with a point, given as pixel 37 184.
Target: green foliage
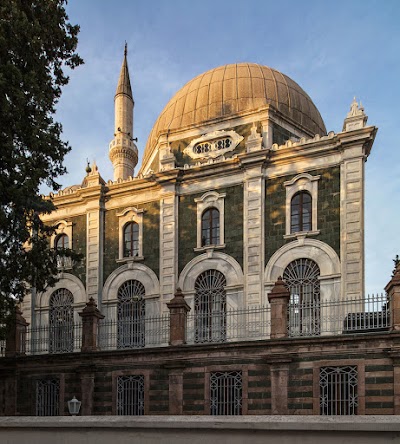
pixel 37 44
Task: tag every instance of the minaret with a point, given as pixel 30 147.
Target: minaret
pixel 123 152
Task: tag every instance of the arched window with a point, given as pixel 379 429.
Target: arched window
pixel 131 313
pixel 300 212
pixel 302 278
pixel 210 227
pixel 61 325
pixel 131 239
pixel 210 307
pixel 62 243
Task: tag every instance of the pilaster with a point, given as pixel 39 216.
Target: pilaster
pixel 94 250
pixel 352 221
pixel 253 225
pixel 168 241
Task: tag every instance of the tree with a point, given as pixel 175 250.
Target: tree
pixel 37 45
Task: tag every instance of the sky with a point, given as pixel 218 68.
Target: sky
pixel 334 50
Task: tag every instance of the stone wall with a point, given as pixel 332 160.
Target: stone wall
pixel 233 225
pixel 328 210
pixel 278 376
pixel 79 244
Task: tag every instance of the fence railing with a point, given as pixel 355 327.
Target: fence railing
pixel 133 333
pixel 305 319
pixel 250 323
pixel 63 338
pixel 336 317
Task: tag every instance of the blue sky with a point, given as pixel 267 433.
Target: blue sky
pixel 333 49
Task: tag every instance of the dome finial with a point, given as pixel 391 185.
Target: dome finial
pixel 88 169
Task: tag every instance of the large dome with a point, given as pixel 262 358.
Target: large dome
pixel 233 89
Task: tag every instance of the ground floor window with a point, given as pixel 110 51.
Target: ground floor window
pixel 130 395
pixel 48 397
pixel 338 390
pixel 226 393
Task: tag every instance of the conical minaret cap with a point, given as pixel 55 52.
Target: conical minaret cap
pixel 124 83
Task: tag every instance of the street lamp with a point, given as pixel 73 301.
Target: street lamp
pixel 73 406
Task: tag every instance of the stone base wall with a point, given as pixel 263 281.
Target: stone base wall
pixel 277 376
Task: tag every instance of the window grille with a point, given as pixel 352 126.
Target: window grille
pixel 300 212
pixel 131 239
pixel 338 390
pixel 210 227
pixel 214 145
pixel 210 307
pixel 130 395
pixel 226 393
pixel 61 335
pixel 47 397
pixel 131 313
pixel 301 277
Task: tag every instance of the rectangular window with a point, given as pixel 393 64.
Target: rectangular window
pixel 226 393
pixel 338 390
pixel 48 397
pixel 130 395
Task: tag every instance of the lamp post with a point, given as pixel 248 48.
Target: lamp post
pixel 73 406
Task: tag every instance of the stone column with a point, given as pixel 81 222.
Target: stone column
pixel 175 387
pixel 90 322
pixel 16 335
pixel 393 291
pixel 178 311
pixel 279 300
pixel 87 390
pixel 279 385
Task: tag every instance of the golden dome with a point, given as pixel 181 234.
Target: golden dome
pixel 230 90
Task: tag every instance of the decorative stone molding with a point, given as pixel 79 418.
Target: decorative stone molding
pixel 322 254
pixel 69 282
pixel 63 227
pixel 302 182
pixel 356 117
pixel 130 214
pixel 126 272
pixel 254 141
pixel 213 144
pixel 222 262
pixel 211 199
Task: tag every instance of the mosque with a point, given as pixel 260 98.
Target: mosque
pixel 223 275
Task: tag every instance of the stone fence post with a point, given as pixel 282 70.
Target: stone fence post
pixel 178 309
pixel 16 335
pixel 279 300
pixel 90 322
pixel 393 291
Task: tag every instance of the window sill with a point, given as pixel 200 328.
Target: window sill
pixel 301 234
pixel 130 259
pixel 209 248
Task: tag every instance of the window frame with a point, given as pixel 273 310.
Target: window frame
pixel 211 199
pixel 302 182
pixel 302 208
pixel 213 224
pixel 359 363
pixel 63 228
pixel 130 214
pixel 134 239
pixel 59 406
pixel 229 377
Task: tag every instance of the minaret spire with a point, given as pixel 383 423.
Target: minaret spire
pixel 123 152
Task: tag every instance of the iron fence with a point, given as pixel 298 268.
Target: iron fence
pixel 242 324
pixel 54 339
pixel 336 317
pixel 148 331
